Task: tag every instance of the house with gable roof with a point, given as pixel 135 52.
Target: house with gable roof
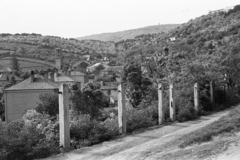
pixel 25 95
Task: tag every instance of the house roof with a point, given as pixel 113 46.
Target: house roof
pixel 38 83
pixel 77 73
pixel 6 69
pixel 78 63
pixel 64 78
pixel 3 77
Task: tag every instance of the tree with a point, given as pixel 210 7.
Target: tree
pixel 15 63
pixel 98 69
pixel 2 107
pixel 138 86
pixel 48 104
pixel 90 100
pixel 13 80
pixel 112 63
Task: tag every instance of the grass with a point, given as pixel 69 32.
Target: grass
pixel 229 123
pixel 3 51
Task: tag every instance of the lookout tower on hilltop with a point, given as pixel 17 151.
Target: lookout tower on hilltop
pixel 58 58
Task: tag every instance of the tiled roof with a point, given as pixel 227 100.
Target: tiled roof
pixel 3 77
pixel 77 73
pixel 6 69
pixel 78 63
pixel 64 78
pixel 39 83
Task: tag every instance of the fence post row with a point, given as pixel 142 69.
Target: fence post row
pixel 172 107
pixel 160 105
pixel 64 116
pixel 122 109
pixel 196 97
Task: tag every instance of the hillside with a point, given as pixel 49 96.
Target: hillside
pixel 214 32
pixel 130 34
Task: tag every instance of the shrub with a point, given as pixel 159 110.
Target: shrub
pixel 22 142
pixel 85 132
pixel 186 113
pixel 90 100
pixel 49 104
pixel 137 118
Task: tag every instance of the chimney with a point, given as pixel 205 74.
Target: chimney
pixel 32 76
pixel 45 75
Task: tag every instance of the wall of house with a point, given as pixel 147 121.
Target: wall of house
pixel 81 78
pixel 18 102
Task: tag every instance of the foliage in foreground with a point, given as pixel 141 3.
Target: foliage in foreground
pixel 29 138
pixel 228 123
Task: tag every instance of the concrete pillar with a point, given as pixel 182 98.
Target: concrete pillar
pixel 122 122
pixel 172 102
pixel 64 116
pixel 160 105
pixel 212 94
pixel 196 97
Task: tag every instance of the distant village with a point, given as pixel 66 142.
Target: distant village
pixel 22 94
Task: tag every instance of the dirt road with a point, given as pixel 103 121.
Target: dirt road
pixel 152 144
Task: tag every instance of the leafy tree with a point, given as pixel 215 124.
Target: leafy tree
pixel 48 104
pixel 7 78
pixel 112 63
pixel 90 100
pixel 98 69
pixel 2 110
pixel 137 85
pixel 25 75
pixel 13 80
pixel 14 63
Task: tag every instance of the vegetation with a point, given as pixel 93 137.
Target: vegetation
pixel 130 34
pixel 14 63
pixel 48 104
pixel 226 124
pixel 90 100
pixel 203 50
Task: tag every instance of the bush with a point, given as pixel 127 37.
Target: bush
pixel 186 113
pixel 23 141
pixel 138 118
pixel 90 100
pixel 49 104
pixel 86 132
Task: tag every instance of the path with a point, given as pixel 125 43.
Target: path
pixel 151 144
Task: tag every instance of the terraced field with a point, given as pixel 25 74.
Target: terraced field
pixel 27 64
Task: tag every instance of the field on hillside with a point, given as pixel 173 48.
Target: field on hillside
pixel 3 51
pixel 25 66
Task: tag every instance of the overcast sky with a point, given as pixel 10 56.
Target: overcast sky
pixel 75 18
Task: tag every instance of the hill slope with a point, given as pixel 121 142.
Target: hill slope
pixel 130 34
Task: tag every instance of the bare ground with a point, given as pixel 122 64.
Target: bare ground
pixel 156 143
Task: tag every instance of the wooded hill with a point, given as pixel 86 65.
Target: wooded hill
pixel 216 31
pixel 130 34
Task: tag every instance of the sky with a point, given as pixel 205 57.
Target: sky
pixel 76 18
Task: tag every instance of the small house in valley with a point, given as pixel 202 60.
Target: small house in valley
pixel 25 95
